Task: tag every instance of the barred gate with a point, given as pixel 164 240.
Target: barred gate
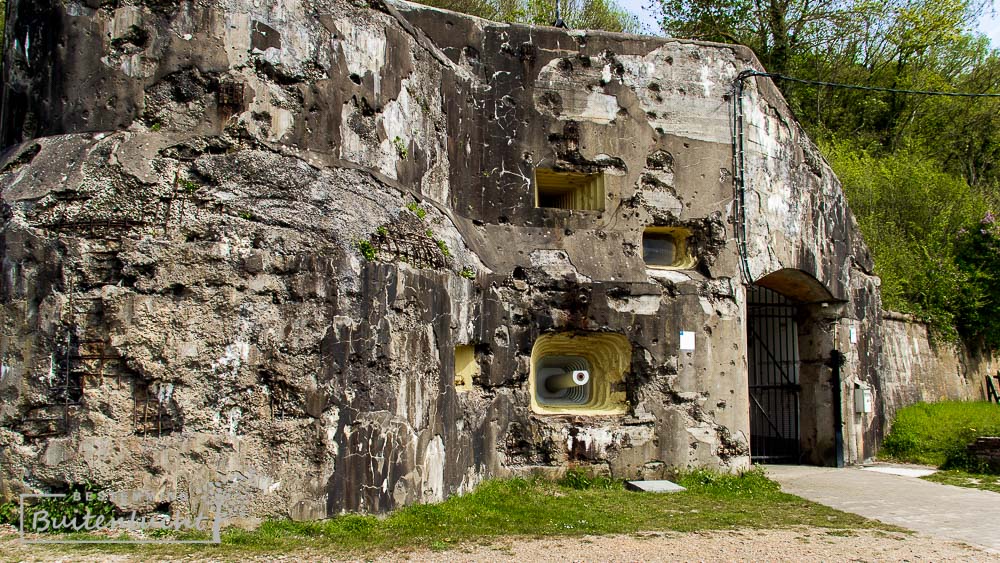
pixel 773 359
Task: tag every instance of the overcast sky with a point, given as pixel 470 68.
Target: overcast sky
pixel 989 24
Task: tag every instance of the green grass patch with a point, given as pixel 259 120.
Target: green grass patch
pixel 959 478
pixel 938 433
pixel 576 505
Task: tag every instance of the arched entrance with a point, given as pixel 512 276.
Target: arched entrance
pixel 792 384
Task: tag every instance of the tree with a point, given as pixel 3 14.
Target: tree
pixel 603 15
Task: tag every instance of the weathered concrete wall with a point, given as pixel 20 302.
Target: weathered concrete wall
pixel 186 301
pixel 917 368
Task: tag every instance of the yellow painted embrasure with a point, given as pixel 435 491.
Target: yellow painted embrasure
pixel 682 258
pixel 466 368
pixel 609 356
pixel 569 190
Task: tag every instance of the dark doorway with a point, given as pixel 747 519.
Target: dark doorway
pixel 773 361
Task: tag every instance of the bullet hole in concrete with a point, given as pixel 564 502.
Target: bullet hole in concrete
pixel 660 160
pixel 135 36
pixel 527 52
pixel 552 102
pixel 264 37
pixel 25 157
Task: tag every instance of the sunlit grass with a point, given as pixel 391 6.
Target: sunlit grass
pixel 534 508
pixel 938 433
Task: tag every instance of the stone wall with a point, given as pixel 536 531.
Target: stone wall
pixel 918 368
pixel 188 298
pixel 986 450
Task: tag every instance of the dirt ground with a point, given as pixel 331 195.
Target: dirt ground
pixel 797 544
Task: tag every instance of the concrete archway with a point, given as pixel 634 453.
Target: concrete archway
pixel 793 380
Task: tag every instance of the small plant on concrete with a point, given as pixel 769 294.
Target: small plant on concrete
pixel 246 215
pixel 382 230
pixel 188 186
pixel 366 249
pixel 401 149
pixel 444 247
pixel 156 127
pixel 417 210
pixel 468 273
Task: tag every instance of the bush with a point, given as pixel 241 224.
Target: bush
pixel 914 217
pixel 979 259
pixel 9 513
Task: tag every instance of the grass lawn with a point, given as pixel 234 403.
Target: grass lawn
pixel 532 508
pixel 938 433
pixel 960 478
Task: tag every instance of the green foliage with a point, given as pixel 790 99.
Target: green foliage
pixel 468 273
pixel 576 505
pixel 979 259
pixel 78 502
pixel 155 128
pixel 417 210
pixel 401 149
pixel 10 513
pixel 912 215
pixel 747 484
pixel 938 433
pixel 960 478
pixel 246 214
pixel 604 15
pixel 581 481
pixel 444 247
pixel 188 186
pixel 382 230
pixel 366 249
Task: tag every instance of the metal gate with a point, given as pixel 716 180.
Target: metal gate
pixel 773 358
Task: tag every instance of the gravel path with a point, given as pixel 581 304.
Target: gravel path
pixel 797 544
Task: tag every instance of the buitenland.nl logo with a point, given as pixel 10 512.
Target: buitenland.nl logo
pixel 71 518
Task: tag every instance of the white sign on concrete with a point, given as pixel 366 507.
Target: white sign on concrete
pixel 687 340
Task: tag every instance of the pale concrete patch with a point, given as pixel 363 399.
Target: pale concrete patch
pixel 660 486
pixel 944 511
pixel 901 471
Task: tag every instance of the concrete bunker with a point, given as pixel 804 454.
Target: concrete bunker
pixel 261 256
pixel 794 380
pixel 579 373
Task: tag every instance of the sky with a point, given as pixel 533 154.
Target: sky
pixel 989 24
